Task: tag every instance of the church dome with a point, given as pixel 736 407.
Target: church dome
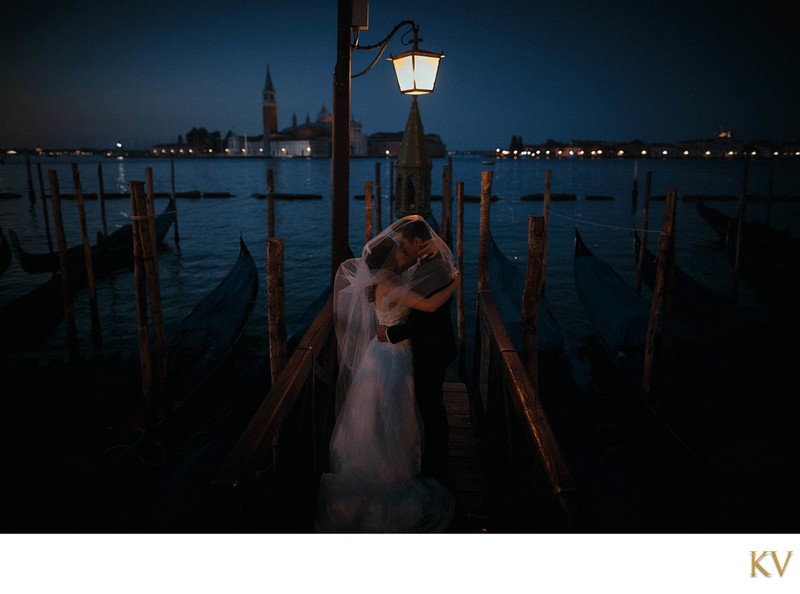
pixel 324 116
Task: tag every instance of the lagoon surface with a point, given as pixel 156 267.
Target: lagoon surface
pixel 209 228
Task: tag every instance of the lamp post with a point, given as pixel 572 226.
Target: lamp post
pixel 416 71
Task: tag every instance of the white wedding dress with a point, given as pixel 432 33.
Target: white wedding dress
pixel 374 484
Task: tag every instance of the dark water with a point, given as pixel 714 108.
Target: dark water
pixel 209 227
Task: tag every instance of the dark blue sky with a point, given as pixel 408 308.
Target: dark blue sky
pixel 93 73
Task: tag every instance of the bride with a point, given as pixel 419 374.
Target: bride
pixel 374 483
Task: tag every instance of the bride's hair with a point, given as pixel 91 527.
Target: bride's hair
pixel 381 256
pixel 416 228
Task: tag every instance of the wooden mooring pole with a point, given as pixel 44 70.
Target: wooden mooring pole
pixel 378 200
pixel 645 217
pixel 447 201
pixel 270 204
pixel 662 292
pixel 174 199
pixel 31 192
pixel 44 208
pixel 102 196
pixel 276 306
pixel 69 310
pixel 97 339
pixel 531 294
pixel 367 211
pixel 548 184
pixel 391 191
pixel 483 236
pixel 154 288
pixel 460 324
pixel 140 285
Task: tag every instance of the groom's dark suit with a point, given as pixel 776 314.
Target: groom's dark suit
pixel 433 346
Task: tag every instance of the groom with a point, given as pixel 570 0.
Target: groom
pixel 433 347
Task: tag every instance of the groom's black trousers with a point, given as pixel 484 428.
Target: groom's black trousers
pixel 428 380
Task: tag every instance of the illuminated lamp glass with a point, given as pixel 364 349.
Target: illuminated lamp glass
pixel 416 71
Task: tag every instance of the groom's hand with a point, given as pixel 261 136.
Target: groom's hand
pixel 427 249
pixel 381 333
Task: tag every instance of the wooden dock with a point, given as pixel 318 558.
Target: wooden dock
pixel 465 466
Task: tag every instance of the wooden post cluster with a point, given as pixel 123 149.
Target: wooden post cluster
pixel 155 399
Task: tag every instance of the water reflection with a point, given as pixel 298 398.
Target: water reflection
pixel 121 181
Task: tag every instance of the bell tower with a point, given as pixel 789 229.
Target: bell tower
pixel 270 111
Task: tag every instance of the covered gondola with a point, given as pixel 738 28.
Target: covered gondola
pixel 702 440
pixel 109 254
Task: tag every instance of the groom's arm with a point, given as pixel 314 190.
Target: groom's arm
pixel 416 326
pixel 401 332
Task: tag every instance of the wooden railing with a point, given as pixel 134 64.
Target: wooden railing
pixel 268 482
pixel 529 485
pixel 528 481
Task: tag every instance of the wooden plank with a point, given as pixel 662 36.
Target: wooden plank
pixel 464 464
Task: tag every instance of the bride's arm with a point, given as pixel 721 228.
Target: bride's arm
pixel 416 301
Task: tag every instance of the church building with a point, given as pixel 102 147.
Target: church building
pixel 309 139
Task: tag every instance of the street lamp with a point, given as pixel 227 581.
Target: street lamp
pixel 416 71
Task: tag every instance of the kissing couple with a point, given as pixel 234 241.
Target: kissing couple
pixel 394 341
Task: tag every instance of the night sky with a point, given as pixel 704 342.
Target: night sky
pixel 141 72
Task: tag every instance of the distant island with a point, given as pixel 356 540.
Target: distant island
pixel 720 146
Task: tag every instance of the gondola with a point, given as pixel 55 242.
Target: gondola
pixel 753 339
pixel 108 255
pixel 198 346
pixel 83 448
pixel 205 338
pixel 705 439
pixel 768 261
pixel 30 319
pixel 5 253
pixel 714 316
pixel 755 234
